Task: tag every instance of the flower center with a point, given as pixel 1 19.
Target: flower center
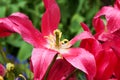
pixel 55 43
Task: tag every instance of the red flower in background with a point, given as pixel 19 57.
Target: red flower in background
pixel 106 60
pixel 107 53
pixel 2 70
pixel 109 33
pixel 48 43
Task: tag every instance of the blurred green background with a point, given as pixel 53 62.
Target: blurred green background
pixel 72 13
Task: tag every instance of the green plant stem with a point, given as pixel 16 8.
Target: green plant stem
pixel 50 66
pixel 3 55
pixel 71 74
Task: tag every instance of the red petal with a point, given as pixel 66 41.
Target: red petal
pixel 5 27
pixel 91 45
pixel 106 62
pixel 60 69
pixel 117 70
pixel 48 3
pixel 82 60
pixel 117 4
pixel 41 59
pixel 51 17
pixel 2 70
pixel 98 25
pixel 85 27
pixel 20 23
pixel 114 43
pixel 83 35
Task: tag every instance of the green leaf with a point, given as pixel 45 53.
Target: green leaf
pixel 1 59
pixel 77 44
pixel 2 11
pixel 29 74
pixel 24 52
pixel 75 24
pixel 14 8
pixel 81 76
pixel 22 4
pixel 15 40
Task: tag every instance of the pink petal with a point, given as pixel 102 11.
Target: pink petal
pixel 41 59
pixel 82 60
pixel 20 15
pixel 51 17
pixel 60 69
pixel 81 36
pixel 20 23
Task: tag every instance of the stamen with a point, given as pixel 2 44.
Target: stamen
pixel 21 76
pixel 58 35
pixel 59 56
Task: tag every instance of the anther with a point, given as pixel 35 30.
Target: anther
pixel 64 41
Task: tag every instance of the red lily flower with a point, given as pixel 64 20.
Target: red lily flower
pixel 106 60
pixel 47 44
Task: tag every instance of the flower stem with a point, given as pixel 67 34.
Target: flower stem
pixel 71 74
pixel 3 54
pixel 50 66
